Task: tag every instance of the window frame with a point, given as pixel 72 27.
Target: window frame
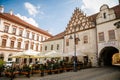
pixel 101 36
pixel 111 34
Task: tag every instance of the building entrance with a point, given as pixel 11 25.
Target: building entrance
pixel 106 54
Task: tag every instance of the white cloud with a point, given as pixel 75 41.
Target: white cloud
pixel 93 6
pixel 32 10
pixel 29 20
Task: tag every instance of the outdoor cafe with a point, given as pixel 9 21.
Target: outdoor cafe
pixel 47 64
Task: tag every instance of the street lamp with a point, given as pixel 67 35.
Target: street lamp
pixel 75 57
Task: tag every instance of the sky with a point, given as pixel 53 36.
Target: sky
pixel 52 15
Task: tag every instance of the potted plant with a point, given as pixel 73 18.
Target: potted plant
pixel 1 66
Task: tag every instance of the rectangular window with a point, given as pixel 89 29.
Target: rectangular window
pixel 104 15
pixel 12 44
pixel 45 48
pixel 41 38
pixel 111 35
pixel 101 36
pixel 57 46
pixel 37 37
pixel 3 42
pixel 20 32
pixel 19 45
pixel 67 42
pixel 33 35
pixel 6 29
pixel 85 38
pixel 31 47
pixel 14 31
pixel 37 47
pixel 76 40
pixel 41 48
pixel 51 47
pixel 27 34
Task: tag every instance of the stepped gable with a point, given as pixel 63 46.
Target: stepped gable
pixel 56 37
pixel 19 21
pixel 79 22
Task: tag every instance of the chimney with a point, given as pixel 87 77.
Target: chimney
pixel 1 9
pixel 11 12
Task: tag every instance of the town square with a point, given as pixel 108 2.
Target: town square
pixel 59 40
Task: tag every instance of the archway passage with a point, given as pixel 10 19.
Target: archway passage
pixel 106 55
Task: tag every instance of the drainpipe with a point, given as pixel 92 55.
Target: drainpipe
pixel 96 45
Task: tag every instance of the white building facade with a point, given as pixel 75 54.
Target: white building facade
pixel 17 35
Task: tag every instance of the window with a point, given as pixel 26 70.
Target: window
pixel 85 38
pixel 12 44
pixel 111 35
pixel 76 40
pixel 10 59
pixel 57 46
pixel 3 42
pixel 41 48
pixel 14 30
pixel 27 34
pixel 41 38
pixel 37 37
pixel 51 47
pixel 104 15
pixel 67 42
pixel 20 32
pixel 6 28
pixel 32 45
pixel 101 36
pixel 45 48
pixel 37 47
pixel 19 45
pixel 33 35
pixel 26 46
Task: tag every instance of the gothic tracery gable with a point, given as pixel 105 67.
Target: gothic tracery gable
pixel 78 21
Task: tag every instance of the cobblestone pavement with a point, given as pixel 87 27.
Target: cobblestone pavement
pixel 105 73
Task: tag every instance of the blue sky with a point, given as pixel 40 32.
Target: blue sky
pixel 52 15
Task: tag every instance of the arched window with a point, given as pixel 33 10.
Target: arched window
pixel 26 46
pixel 12 44
pixel 4 42
pixel 19 45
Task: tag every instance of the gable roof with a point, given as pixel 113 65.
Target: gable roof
pixel 17 20
pixel 56 37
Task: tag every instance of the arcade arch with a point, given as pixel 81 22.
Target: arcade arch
pixel 105 56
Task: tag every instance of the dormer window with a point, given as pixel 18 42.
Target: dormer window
pixel 104 15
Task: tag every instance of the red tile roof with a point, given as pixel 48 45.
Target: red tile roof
pixel 117 11
pixel 56 37
pixel 17 20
